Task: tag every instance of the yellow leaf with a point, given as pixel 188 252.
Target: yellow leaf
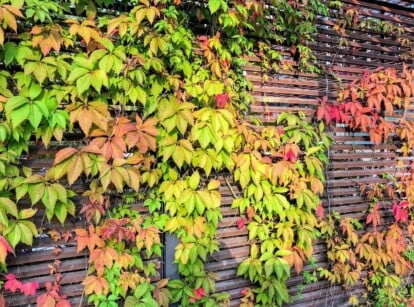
pixel 213 185
pixel 1 36
pixel 74 169
pixel 140 15
pixel 9 19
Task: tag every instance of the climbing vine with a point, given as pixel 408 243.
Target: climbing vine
pixel 155 94
pixel 384 249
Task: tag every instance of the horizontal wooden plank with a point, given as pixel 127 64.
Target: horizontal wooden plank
pixel 267 101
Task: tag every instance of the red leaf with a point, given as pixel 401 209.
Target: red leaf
pixel 116 229
pixel 29 288
pixel 12 284
pixel 221 100
pixel 291 152
pixel 241 222
pixel 319 211
pixel 400 214
pixel 199 293
pixel 63 303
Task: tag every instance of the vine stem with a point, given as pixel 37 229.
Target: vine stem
pixel 230 187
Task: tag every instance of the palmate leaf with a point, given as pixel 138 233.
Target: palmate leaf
pixel 103 257
pixel 96 284
pixel 47 37
pixel 95 112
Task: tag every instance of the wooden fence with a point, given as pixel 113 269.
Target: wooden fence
pixel 353 160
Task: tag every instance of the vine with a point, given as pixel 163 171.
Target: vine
pixel 383 250
pixel 160 103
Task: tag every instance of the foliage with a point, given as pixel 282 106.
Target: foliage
pixel 160 105
pixel 281 194
pixel 381 249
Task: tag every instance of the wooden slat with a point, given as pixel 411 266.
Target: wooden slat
pixel 353 160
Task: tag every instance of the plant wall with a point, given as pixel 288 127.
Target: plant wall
pixel 156 91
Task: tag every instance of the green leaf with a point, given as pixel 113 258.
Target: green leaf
pixel 9 205
pixel 14 236
pixel 26 235
pixel 282 201
pixel 42 107
pixel 40 72
pixel 194 180
pixel 76 74
pixel 283 252
pixel 141 290
pixel 141 95
pixel 20 115
pixel 61 192
pixel 21 191
pixel 15 102
pixel 10 52
pixel 214 5
pixel 83 83
pixel 187 69
pixel 34 91
pixel 268 267
pixel 60 118
pixel 49 198
pixel 36 192
pixel 131 302
pixel 107 43
pixel 61 212
pixel 35 116
pixel 166 109
pixel 4 220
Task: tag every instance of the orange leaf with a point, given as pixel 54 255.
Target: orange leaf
pixel 103 257
pixel 75 169
pixel 85 119
pixel 95 284
pixel 4 249
pixel 64 154
pixel 87 239
pixel 91 149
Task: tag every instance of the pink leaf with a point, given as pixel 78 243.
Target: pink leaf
pixel 221 100
pixel 319 211
pixel 29 288
pixel 12 284
pixel 241 222
pixel 199 293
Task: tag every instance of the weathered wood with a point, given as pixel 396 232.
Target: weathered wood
pixel 353 161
